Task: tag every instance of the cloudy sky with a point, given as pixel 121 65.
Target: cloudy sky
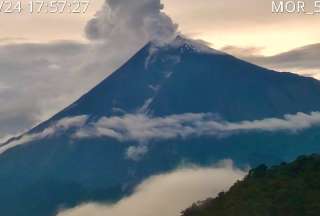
pixel 247 23
pixel 49 60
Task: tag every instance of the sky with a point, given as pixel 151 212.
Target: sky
pixel 49 60
pixel 247 23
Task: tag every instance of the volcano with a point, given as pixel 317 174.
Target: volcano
pixel 101 146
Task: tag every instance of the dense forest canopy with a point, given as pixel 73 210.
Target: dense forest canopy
pixel 285 190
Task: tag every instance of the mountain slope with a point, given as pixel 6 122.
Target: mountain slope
pixel 184 77
pixel 49 168
pixel 288 189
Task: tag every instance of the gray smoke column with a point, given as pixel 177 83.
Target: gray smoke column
pixel 137 21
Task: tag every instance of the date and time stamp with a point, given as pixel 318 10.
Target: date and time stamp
pixel 300 7
pixel 44 6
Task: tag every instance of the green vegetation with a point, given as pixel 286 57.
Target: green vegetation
pixel 285 190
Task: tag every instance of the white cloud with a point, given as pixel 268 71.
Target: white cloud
pixel 61 125
pixel 143 128
pixel 69 122
pixel 167 194
pixel 136 152
pixel 6 138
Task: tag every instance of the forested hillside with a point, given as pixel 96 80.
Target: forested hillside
pixel 286 190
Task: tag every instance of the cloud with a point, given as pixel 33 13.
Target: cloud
pixel 61 125
pixel 142 19
pixel 11 39
pixel 242 51
pixel 37 80
pixel 167 194
pixel 136 152
pixel 45 78
pixel 142 128
pixel 69 122
pixel 6 138
pixel 196 45
pixel 303 60
pixel 244 23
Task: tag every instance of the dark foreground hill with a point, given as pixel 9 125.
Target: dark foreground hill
pixel 285 190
